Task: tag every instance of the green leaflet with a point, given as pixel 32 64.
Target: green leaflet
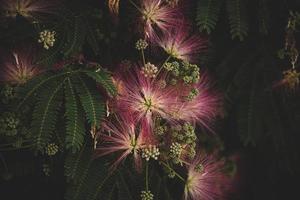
pixel 45 114
pixel 75 163
pixel 75 120
pixel 93 179
pixel 91 101
pixel 208 14
pixel 102 77
pixel 76 32
pixel 237 19
pixel 37 84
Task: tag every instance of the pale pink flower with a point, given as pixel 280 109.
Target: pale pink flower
pixel 205 179
pixel 157 17
pixel 143 98
pixel 204 107
pixel 19 68
pixel 181 44
pixel 30 9
pixel 124 137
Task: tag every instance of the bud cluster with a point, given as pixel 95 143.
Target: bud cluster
pixel 193 94
pixel 147 195
pixel 149 70
pixel 150 152
pixel 9 123
pixel 47 38
pixel 51 149
pixel 8 93
pixel 189 73
pixel 141 44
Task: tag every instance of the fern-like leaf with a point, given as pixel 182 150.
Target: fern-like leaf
pixel 75 38
pixel 45 114
pixel 91 38
pixel 237 19
pixel 123 189
pixel 95 177
pixel 35 85
pixel 208 14
pixel 75 120
pixel 91 101
pixel 104 79
pixel 75 163
pixel 264 17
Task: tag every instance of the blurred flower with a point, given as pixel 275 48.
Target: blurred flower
pixel 157 17
pixel 144 98
pixel 205 179
pixel 19 68
pixel 180 44
pixel 204 105
pixel 31 9
pixel 122 136
pixel 113 6
pixel 291 79
pixel 173 3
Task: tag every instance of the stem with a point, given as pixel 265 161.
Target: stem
pixel 136 6
pixel 162 66
pixel 9 144
pixel 178 175
pixel 4 163
pixel 143 56
pixel 147 181
pixel 14 149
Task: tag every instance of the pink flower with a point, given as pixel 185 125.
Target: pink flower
pixel 143 98
pixel 30 9
pixel 205 179
pixel 19 68
pixel 180 44
pixel 158 17
pixel 203 107
pixel 124 137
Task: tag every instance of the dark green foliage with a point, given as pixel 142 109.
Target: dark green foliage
pixel 75 163
pixel 76 32
pixel 208 14
pixel 45 114
pixel 91 101
pixel 87 176
pixel 103 78
pixel 236 10
pixel 264 17
pixel 80 95
pixel 123 188
pixel 75 130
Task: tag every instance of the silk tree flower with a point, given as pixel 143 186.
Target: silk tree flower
pixel 19 68
pixel 201 103
pixel 157 17
pixel 125 137
pixel 205 179
pixel 29 9
pixel 179 43
pixel 144 98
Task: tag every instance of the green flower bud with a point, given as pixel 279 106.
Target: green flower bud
pixel 147 195
pixel 52 149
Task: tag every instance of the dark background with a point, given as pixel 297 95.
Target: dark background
pixel 245 71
